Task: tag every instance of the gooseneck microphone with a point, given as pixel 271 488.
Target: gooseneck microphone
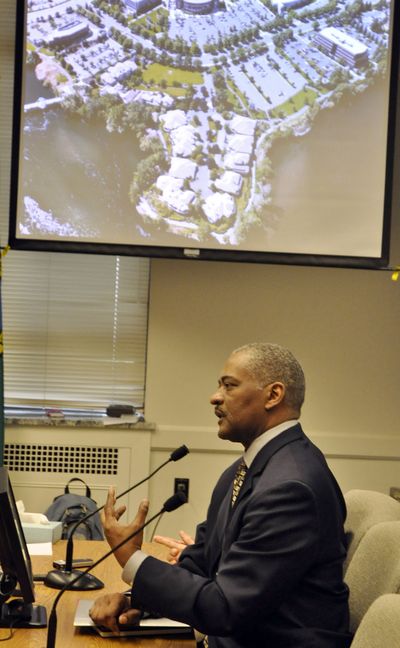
pixel 171 504
pixel 68 578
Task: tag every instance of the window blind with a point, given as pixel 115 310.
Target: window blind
pixel 75 329
pixel 75 326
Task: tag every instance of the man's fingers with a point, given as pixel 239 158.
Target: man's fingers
pixel 120 511
pixel 129 617
pixel 111 624
pixel 171 543
pixel 106 609
pixel 110 501
pixel 144 506
pixel 187 539
pixel 173 556
pixel 175 546
pixel 167 542
pixel 141 514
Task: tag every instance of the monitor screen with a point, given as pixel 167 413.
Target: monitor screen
pixel 16 571
pixel 255 130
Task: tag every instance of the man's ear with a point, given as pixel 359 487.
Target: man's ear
pixel 275 393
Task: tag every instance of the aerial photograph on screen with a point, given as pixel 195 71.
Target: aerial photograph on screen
pixel 226 124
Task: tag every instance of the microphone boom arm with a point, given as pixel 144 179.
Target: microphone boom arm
pixel 177 454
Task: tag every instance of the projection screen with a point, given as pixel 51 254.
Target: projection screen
pixel 256 130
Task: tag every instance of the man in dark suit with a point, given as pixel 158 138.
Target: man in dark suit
pixel 266 567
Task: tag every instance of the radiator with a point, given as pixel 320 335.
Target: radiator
pixel 42 460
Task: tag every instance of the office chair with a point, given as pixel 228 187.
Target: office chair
pixel 364 509
pixel 374 569
pixel 380 627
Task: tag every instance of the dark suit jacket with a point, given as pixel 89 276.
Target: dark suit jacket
pixel 266 573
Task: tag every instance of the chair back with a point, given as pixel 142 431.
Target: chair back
pixel 364 509
pixel 374 569
pixel 380 627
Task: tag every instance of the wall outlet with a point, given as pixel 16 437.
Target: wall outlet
pixel 182 484
pixel 395 492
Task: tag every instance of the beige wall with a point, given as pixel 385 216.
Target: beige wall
pixel 342 325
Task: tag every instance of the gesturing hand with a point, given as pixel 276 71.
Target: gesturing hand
pixel 116 532
pixel 175 546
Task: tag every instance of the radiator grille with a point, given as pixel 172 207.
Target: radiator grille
pixel 100 460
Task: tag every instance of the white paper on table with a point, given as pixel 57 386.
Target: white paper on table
pixel 40 548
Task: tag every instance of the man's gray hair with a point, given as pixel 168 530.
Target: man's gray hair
pixel 269 362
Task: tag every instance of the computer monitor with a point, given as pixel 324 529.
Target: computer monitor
pixel 16 580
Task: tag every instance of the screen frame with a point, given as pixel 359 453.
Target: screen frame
pixel 191 251
pixel 14 556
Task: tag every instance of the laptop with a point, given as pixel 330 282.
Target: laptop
pixel 151 626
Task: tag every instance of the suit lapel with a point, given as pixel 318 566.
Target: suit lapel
pixel 262 458
pixel 221 530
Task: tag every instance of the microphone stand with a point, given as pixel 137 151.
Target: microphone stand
pixel 69 578
pixel 172 503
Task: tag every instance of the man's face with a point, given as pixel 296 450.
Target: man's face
pixel 239 402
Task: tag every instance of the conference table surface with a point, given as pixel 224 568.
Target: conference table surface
pixel 68 636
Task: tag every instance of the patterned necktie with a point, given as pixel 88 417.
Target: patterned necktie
pixel 238 481
pixel 237 485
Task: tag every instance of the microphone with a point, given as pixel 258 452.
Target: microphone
pixel 172 503
pixel 58 579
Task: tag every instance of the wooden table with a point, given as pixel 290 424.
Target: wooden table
pixel 67 636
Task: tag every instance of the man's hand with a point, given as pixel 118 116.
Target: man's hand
pixel 116 532
pixel 113 609
pixel 175 546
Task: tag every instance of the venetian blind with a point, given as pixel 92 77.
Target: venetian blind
pixel 75 329
pixel 75 326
